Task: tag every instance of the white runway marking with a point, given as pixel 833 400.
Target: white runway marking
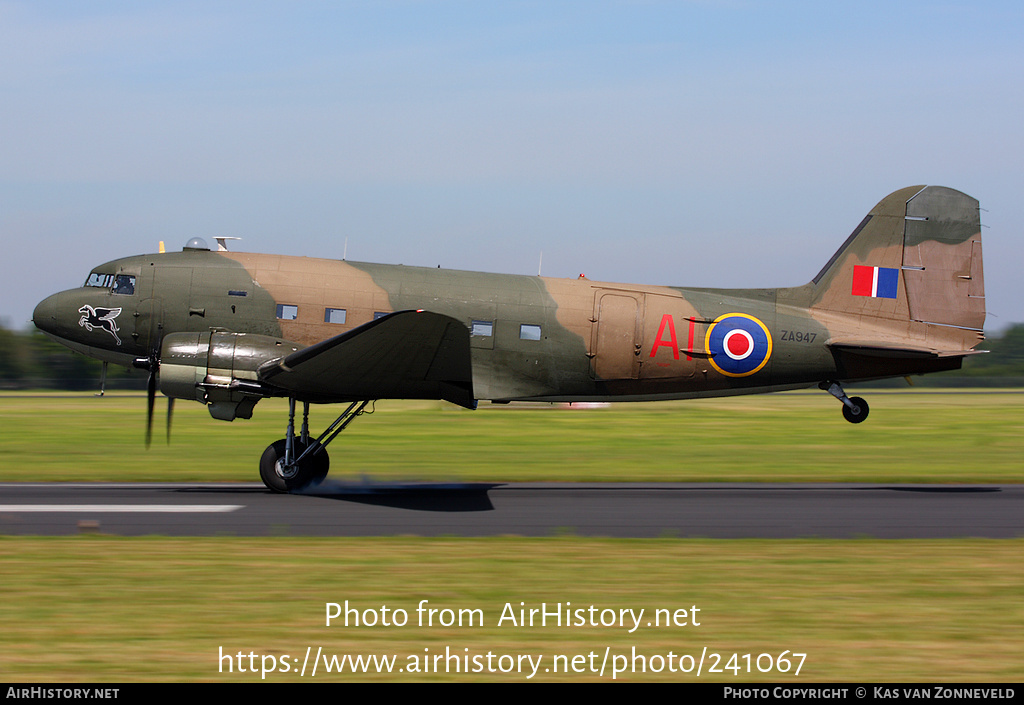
pixel 123 508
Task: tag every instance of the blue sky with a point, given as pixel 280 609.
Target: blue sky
pixel 685 143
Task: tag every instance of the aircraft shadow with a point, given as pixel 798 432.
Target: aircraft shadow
pixel 447 497
pixel 419 496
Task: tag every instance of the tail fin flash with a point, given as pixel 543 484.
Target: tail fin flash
pixel 916 256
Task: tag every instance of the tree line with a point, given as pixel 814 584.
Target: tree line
pixel 30 360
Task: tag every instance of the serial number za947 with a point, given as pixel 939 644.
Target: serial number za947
pixel 798 336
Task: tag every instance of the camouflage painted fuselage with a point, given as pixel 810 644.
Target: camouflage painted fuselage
pixel 540 338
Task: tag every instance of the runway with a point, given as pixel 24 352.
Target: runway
pixel 425 509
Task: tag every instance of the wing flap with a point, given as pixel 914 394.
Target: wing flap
pixel 404 355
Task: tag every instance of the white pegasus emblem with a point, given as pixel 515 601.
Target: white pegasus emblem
pixel 100 318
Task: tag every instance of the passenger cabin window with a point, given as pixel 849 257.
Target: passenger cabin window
pixel 335 315
pixel 124 284
pixel 528 332
pixel 482 328
pixel 287 312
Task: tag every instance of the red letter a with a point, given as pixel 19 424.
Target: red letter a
pixel 666 321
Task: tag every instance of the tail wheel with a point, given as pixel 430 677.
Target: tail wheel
pixel 858 412
pixel 281 478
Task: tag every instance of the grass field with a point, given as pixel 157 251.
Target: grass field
pixel 99 608
pixel 157 609
pixel 919 437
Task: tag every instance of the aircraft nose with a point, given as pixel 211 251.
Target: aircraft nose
pixel 45 314
pixel 58 314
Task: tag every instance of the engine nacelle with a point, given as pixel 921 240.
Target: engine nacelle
pixel 218 369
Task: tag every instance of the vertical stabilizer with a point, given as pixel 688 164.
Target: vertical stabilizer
pixel 915 257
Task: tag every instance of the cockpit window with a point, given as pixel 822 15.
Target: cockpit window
pixel 124 284
pixel 117 283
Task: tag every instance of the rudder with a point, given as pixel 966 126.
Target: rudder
pixel 942 264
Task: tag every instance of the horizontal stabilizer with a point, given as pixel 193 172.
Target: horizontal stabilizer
pixel 881 349
pixel 863 360
pixel 404 355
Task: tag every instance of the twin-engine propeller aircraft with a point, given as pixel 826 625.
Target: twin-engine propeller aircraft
pixel 903 295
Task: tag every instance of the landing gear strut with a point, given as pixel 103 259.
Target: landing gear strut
pixel 294 463
pixel 855 409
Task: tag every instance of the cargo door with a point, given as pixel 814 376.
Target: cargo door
pixel 616 341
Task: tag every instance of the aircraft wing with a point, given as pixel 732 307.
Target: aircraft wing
pixel 404 355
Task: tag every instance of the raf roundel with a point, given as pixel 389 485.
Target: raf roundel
pixel 738 344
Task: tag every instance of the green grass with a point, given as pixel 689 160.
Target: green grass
pixel 929 437
pixel 97 608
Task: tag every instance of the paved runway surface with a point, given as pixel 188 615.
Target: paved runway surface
pixel 425 509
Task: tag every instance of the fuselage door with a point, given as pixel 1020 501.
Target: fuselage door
pixel 149 323
pixel 618 316
pixel 166 291
pixel 147 313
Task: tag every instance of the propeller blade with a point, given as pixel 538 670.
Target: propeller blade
pixel 170 413
pixel 150 401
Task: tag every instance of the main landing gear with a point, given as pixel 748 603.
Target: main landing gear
pixel 855 409
pixel 296 462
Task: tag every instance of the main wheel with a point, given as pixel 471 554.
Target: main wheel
pixel 858 413
pixel 279 478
